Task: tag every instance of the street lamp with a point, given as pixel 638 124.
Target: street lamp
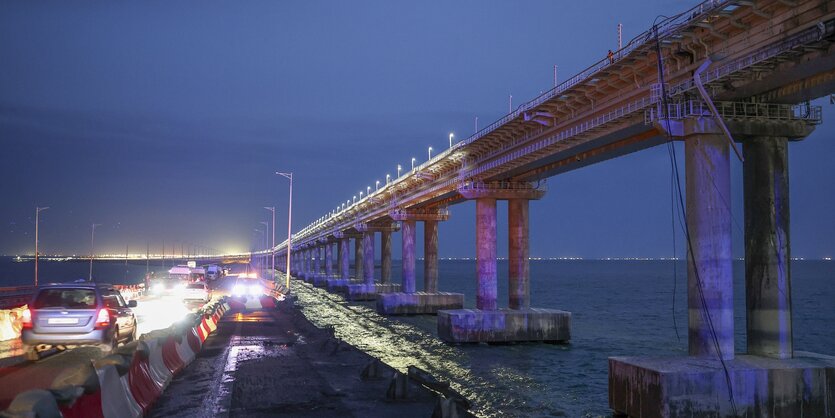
pixel 289 176
pixel 388 176
pixel 264 257
pixel 430 153
pixel 413 163
pixel 368 191
pixel 377 185
pixel 360 195
pixel 92 240
pixel 355 198
pixel 450 139
pixel 398 170
pixel 272 247
pixel 37 220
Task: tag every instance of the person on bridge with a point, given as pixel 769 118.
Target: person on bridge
pixel 611 57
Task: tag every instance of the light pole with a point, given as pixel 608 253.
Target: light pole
pixel 398 170
pixel 37 220
pixel 368 191
pixel 256 243
pixel 430 154
pixel 289 225
pixel 388 177
pixel 92 241
pixel 272 247
pixel 450 139
pixel 413 163
pixel 377 185
pixel 266 228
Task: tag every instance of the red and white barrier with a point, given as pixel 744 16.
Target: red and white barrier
pixel 116 396
pixel 151 367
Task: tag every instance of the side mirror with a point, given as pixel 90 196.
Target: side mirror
pixel 131 304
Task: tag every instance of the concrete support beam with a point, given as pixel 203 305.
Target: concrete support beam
pixel 487 287
pixel 767 247
pixel 359 264
pixel 385 257
pixel 408 254
pixel 339 257
pixel 368 257
pixel 344 258
pixel 328 259
pixel 519 292
pixel 317 260
pixel 709 273
pixel 430 256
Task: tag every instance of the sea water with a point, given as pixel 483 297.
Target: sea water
pixel 619 308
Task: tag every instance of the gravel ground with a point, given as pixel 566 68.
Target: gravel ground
pixel 276 363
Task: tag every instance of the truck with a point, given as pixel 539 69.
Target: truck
pixel 214 272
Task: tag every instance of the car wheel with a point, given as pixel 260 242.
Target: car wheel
pixel 133 333
pixel 31 353
pixel 109 346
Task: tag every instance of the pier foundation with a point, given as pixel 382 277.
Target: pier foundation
pixel 771 379
pixel 519 322
pixel 408 301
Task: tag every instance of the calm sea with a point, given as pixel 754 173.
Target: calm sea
pixel 619 308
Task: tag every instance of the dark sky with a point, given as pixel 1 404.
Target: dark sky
pixel 166 120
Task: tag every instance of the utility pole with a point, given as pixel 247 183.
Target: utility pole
pixel 555 75
pixel 620 36
pixel 37 221
pixel 272 247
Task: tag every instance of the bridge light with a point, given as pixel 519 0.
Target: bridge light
pixel 430 154
pixel 377 185
pixel 398 170
pixel 451 135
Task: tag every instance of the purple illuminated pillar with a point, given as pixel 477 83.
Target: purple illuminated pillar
pixel 486 253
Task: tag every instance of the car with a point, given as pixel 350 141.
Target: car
pixel 73 314
pixel 247 287
pixel 197 291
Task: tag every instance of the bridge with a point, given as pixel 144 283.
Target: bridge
pixel 732 75
pixel 728 79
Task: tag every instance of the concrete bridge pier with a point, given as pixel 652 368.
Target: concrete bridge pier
pixel 430 301
pixel 770 379
pixel 339 284
pixel 385 257
pixel 368 289
pixel 489 323
pixel 325 251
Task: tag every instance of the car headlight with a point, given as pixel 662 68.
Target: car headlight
pixel 238 290
pixel 255 290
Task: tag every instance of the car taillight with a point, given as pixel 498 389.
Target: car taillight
pixel 103 319
pixel 26 318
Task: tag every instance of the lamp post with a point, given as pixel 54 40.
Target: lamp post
pixel 377 185
pixel 430 154
pixel 272 247
pixel 266 242
pixel 398 170
pixel 92 241
pixel 388 177
pixel 368 191
pixel 450 139
pixel 289 176
pixel 256 243
pixel 37 220
pixel 413 163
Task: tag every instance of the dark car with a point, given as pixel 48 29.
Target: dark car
pixel 77 314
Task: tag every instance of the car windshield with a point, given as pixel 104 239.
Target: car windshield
pixel 66 299
pixel 196 286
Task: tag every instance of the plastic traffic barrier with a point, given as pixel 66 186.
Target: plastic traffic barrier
pixel 127 382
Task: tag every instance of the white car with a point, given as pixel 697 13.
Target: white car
pixel 197 291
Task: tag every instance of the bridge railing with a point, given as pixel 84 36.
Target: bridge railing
pixel 736 111
pixel 663 29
